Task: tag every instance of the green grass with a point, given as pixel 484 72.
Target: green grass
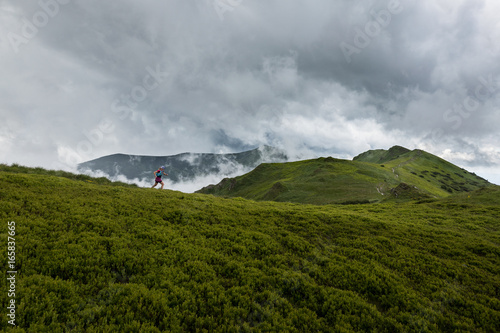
pixel 313 181
pixel 16 168
pixel 320 181
pixel 433 174
pixel 103 258
pixel 329 180
pixel 379 156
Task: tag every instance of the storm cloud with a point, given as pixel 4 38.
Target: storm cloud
pixel 83 79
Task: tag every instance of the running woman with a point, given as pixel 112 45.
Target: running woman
pixel 158 173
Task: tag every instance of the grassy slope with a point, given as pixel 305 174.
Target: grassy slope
pixel 329 180
pixel 106 258
pixel 432 174
pixel 15 168
pixel 320 181
pixel 379 156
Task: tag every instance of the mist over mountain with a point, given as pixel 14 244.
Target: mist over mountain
pixel 182 168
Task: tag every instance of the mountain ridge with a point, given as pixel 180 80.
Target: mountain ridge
pixel 405 174
pixel 183 166
pixel 381 155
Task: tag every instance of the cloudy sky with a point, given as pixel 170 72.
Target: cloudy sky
pixel 86 78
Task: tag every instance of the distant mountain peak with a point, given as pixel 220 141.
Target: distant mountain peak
pixel 184 166
pixel 381 155
pixel 373 176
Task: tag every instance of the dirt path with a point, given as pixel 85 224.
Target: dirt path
pixel 419 153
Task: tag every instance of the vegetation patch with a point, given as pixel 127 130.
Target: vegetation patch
pixel 103 258
pixel 404 192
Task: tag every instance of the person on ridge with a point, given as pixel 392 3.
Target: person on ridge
pixel 158 173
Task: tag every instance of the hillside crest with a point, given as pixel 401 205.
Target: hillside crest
pixel 373 176
pixel 381 155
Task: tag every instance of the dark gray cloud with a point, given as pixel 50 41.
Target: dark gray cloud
pixel 89 78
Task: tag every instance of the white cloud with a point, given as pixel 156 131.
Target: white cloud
pixel 271 72
pixel 448 154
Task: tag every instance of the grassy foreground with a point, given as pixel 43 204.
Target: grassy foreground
pixel 107 258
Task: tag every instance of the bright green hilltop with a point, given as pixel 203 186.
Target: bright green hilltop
pixel 374 176
pixel 96 256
